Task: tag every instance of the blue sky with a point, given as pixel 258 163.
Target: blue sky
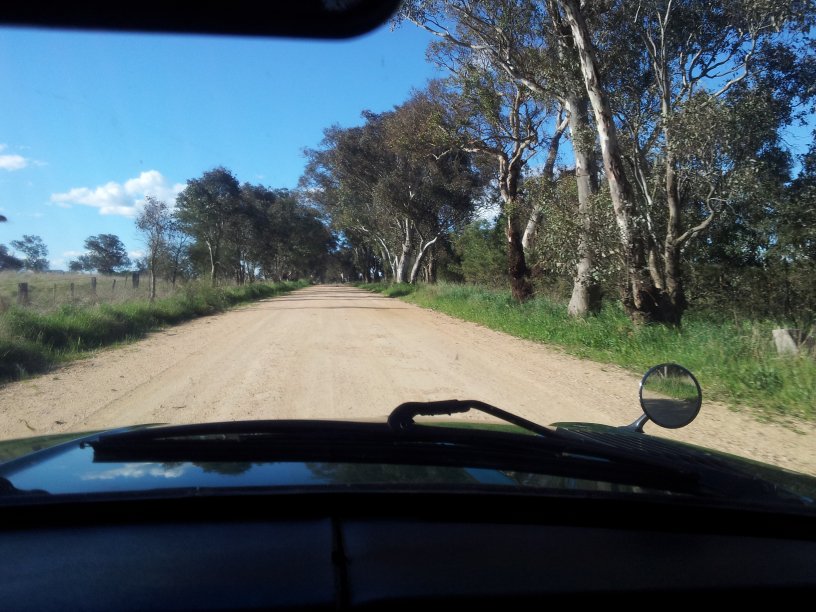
pixel 90 123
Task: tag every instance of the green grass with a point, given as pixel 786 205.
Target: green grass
pixel 735 362
pixel 32 340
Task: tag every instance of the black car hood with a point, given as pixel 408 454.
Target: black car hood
pixel 624 439
pixel 315 454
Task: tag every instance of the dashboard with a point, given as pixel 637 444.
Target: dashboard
pixel 392 551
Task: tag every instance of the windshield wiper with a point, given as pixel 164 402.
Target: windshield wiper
pixel 402 417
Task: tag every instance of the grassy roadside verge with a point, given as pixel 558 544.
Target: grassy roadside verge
pixel 32 341
pixel 735 361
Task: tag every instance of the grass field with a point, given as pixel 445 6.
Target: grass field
pixel 735 361
pixel 51 290
pixel 35 337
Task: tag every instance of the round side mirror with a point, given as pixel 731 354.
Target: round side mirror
pixel 670 395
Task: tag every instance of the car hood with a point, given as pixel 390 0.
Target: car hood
pixel 624 439
pixel 74 464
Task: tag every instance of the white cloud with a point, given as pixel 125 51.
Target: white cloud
pixel 12 162
pixel 136 254
pixel 136 470
pixel 121 198
pixel 73 253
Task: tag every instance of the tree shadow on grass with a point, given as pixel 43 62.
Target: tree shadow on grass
pixel 399 292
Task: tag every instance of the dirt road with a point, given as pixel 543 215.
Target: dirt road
pixel 339 352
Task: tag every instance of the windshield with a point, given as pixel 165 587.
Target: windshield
pixel 526 204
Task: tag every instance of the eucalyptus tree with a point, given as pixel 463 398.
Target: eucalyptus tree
pixel 341 178
pixel 105 253
pixel 204 210
pixel 443 182
pixel 153 222
pixel 498 119
pixel 524 42
pixel 175 261
pixel 285 238
pixel 388 184
pixel 308 251
pixel 34 250
pixel 666 117
pixel 240 233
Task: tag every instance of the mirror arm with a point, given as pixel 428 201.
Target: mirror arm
pixel 637 425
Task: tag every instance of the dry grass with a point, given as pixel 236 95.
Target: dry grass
pixel 49 291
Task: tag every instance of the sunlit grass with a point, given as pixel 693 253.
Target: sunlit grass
pixel 735 362
pixel 31 340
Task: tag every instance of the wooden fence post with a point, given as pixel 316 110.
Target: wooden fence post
pixel 72 292
pixel 93 286
pixel 113 288
pixel 135 277
pixel 55 294
pixel 22 294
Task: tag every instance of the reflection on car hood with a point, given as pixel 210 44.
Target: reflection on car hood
pixel 67 464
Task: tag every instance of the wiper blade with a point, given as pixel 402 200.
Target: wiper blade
pixel 402 417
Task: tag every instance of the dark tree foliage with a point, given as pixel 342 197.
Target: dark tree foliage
pixel 391 189
pixel 481 253
pixel 9 261
pixel 285 238
pixel 106 254
pixel 206 210
pixel 35 252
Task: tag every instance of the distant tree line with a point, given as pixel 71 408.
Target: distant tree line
pixel 217 228
pixel 226 231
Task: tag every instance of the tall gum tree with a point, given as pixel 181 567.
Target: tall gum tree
pixel 642 299
pixel 673 157
pixel 443 181
pixel 499 120
pixel 525 42
pixel 35 251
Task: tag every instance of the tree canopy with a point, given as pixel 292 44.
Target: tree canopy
pixel 105 253
pixel 35 252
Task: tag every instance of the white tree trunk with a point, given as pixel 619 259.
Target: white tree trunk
pixel 418 260
pixel 586 294
pixel 401 263
pixel 533 223
pixel 212 262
